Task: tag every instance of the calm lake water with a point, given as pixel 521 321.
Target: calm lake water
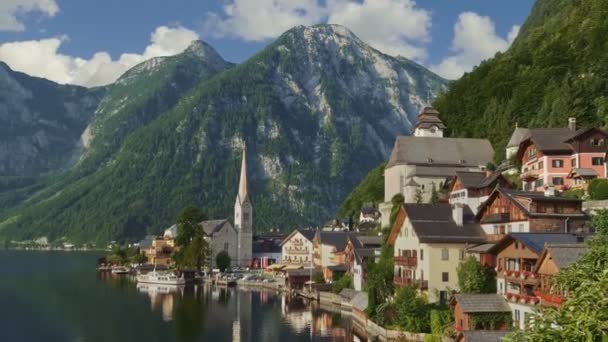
pixel 56 296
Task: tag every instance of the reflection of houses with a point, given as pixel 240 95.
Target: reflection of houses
pixel 508 211
pixel 468 308
pixel 472 188
pixel 549 156
pixel 163 297
pixel 420 163
pixel 429 243
pixel 516 257
pixel 297 248
pixel 554 258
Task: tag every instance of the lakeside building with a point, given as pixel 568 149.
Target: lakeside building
pixel 516 257
pixel 511 211
pixel 554 258
pixel 420 164
pixel 429 243
pixel 297 248
pixel 559 157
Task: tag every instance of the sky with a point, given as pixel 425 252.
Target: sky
pixel 91 43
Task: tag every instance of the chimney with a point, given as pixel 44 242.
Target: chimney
pixel 458 214
pixel 572 124
pixel 549 191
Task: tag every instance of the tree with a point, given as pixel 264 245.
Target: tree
pixel 397 201
pixel 318 278
pixel 418 196
pixel 379 283
pixel 192 246
pixel 475 278
pixel 139 258
pixel 584 314
pixel 413 313
pixel 434 195
pixel 598 189
pixel 344 282
pixel 222 260
pixel 188 225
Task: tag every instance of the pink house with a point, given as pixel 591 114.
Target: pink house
pixel 562 158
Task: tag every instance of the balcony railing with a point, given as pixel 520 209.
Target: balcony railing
pixel 419 284
pixel 529 175
pixel 497 218
pixel 523 299
pixel 547 299
pixel 297 251
pixel 406 261
pixel 521 276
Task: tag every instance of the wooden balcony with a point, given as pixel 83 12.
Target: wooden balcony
pixel 522 299
pixel 297 251
pixel 406 261
pixel 529 175
pixel 549 300
pixel 497 218
pixel 521 277
pixel 419 284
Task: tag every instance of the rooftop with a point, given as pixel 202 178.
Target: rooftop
pixel 535 241
pixel 566 254
pixel 489 302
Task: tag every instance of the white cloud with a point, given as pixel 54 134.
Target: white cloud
pixel 11 10
pixel 42 58
pixel 475 39
pixel 395 27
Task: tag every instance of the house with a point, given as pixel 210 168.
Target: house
pixel 326 243
pixel 157 250
pixel 297 248
pixel 562 157
pixel 472 188
pixel 553 259
pixel 359 265
pixel 467 307
pixel 511 211
pixel 266 252
pixel 516 279
pixel 358 250
pixel 420 163
pixel 369 214
pixel 429 243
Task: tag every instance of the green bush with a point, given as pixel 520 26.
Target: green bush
pixel 598 189
pixel 413 314
pixel 344 282
pixel 441 320
pixel 318 278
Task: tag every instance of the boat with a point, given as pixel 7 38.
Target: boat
pixel 162 278
pixel 120 270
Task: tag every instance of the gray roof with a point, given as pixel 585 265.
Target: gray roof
pixel 359 301
pixel 566 254
pixel 309 234
pixel 212 226
pixel 336 239
pixel 367 241
pixel 535 241
pixel 363 253
pixel 488 302
pixel 432 171
pixel 348 294
pixel 550 139
pixel 584 172
pixel 441 151
pixel 483 248
pixel 484 335
pixel 147 241
pixel 519 134
pixel 434 223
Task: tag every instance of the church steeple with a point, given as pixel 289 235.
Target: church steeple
pixel 429 124
pixel 243 194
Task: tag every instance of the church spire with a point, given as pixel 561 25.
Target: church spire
pixel 244 183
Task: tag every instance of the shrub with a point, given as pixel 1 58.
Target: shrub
pixel 598 189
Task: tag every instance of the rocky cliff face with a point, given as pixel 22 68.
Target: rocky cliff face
pixel 317 109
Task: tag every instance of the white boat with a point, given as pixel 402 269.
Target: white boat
pixel 120 270
pixel 162 278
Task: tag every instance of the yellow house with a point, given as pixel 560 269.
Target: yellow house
pixel 429 243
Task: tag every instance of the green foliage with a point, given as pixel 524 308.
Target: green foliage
pixel 193 248
pixel 123 255
pixel 139 258
pixel 598 189
pixel 318 278
pixel 370 190
pixel 490 320
pixel 555 69
pixel 441 321
pixel 418 196
pixel 397 201
pixel 475 278
pixel 434 195
pixel 379 282
pixel 412 311
pixel 222 260
pixel 344 281
pixel 584 315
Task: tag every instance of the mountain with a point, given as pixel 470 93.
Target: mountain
pixel 317 109
pixel 41 123
pixel 557 68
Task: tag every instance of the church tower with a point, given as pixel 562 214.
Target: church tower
pixel 429 124
pixel 243 217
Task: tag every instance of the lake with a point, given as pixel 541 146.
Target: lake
pixel 58 296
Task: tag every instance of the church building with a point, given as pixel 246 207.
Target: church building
pixel 420 164
pixel 243 217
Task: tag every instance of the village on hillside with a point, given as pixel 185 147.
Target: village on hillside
pixel 477 244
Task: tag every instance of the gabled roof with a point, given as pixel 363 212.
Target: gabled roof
pixel 213 226
pixel 519 134
pixel 484 335
pixel 441 151
pixel 535 242
pixel 483 248
pixel 583 131
pixel 434 223
pixel 550 139
pixel 476 179
pixel 336 239
pixel 563 255
pixel 309 234
pixel 487 302
pixel 364 253
pixel 429 117
pixel 366 240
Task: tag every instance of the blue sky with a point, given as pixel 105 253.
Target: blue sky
pixel 73 31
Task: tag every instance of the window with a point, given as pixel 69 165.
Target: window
pixel 597 160
pixel 445 254
pixel 558 180
pixel 573 162
pixel 516 245
pixel 445 277
pixel 516 315
pixel 421 254
pixel 557 163
pixel 538 183
pixel 541 165
pixel 461 254
pixel 521 228
pixel 226 245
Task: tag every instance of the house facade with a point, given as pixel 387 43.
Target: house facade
pixel 516 279
pixel 422 162
pixel 297 248
pixel 221 236
pixel 510 211
pixel 473 188
pixel 466 306
pixel 562 158
pixel 429 243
